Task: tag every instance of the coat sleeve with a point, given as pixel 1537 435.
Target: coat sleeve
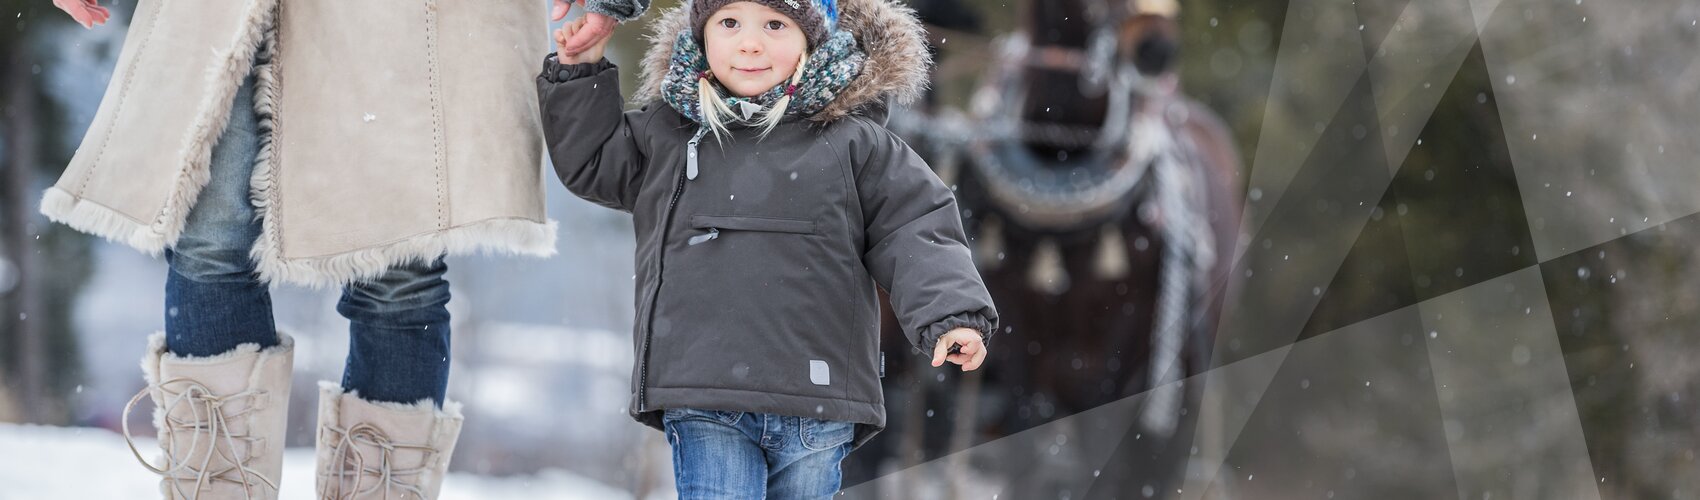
pixel 915 248
pixel 593 145
pixel 620 10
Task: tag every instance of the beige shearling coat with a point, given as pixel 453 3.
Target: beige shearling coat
pixel 400 130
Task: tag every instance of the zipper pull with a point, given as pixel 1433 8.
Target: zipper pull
pixel 691 154
pixel 703 238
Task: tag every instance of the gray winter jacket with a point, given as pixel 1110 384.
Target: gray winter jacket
pixel 756 280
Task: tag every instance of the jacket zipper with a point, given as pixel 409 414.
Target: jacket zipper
pixel 661 264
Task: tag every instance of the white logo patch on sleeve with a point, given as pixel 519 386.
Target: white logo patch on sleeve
pixel 819 373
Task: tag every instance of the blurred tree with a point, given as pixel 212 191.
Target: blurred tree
pixel 42 266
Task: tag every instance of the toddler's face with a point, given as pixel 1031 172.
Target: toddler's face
pixel 751 47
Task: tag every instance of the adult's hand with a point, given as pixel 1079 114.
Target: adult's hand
pixel 596 29
pixel 86 12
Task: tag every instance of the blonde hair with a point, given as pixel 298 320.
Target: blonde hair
pixel 714 108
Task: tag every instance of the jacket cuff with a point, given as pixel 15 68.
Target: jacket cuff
pixel 555 72
pixel 971 320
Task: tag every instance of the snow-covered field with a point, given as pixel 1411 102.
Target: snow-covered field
pixel 38 463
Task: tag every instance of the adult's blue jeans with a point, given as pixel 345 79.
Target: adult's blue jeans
pixel 398 322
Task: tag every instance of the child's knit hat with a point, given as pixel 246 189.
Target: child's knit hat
pixel 817 18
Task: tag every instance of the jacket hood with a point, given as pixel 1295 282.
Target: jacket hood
pixel 895 72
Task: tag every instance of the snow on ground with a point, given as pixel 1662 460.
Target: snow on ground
pixel 81 462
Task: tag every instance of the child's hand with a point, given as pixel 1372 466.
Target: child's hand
pixel 973 349
pixel 565 34
pixel 597 29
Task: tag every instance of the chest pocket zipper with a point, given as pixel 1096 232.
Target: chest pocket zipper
pixel 703 238
pixel 715 223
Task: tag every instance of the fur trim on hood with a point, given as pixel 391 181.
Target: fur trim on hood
pixel 895 73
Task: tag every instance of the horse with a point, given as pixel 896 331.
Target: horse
pixel 1103 208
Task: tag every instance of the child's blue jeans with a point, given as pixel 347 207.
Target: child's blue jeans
pixel 738 455
pixel 398 323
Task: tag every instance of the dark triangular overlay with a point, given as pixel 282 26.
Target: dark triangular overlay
pixel 1453 216
pixel 1457 195
pixel 1297 250
pixel 1375 278
pixel 1624 311
pixel 1351 414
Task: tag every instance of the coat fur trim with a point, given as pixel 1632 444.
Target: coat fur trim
pixel 87 216
pixel 896 72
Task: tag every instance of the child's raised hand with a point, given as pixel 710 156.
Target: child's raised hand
pixel 597 29
pixel 973 350
pixel 565 34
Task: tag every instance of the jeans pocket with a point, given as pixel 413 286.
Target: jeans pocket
pixel 818 435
